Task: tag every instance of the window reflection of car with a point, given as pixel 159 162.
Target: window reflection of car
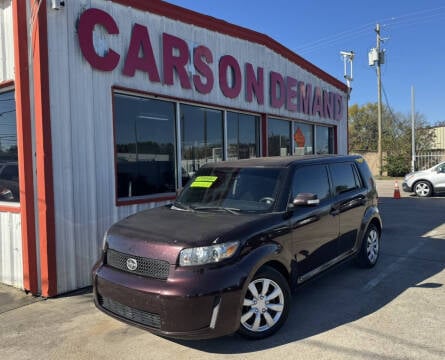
pixel 9 182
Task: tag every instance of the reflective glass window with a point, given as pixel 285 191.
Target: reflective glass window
pixel 344 177
pixel 311 179
pixel 9 174
pixel 324 140
pixel 278 137
pixel 243 136
pixel 201 137
pixel 303 139
pixel 145 146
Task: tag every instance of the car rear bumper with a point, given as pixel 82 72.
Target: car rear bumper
pixel 177 307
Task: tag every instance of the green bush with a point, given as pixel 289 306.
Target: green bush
pixel 397 166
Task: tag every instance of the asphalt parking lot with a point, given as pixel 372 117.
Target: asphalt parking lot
pixel 393 311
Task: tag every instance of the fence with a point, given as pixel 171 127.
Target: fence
pixel 427 159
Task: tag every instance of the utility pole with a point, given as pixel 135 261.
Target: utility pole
pixel 379 102
pixel 413 134
pixel 376 57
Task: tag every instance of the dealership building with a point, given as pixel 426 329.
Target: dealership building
pixel 109 107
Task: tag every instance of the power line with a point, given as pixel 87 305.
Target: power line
pixel 409 19
pixel 406 17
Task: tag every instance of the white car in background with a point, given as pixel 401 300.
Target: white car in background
pixel 426 182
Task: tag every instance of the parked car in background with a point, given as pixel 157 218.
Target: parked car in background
pixel 9 181
pixel 426 182
pixel 226 255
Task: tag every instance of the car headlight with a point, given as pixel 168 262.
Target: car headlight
pixel 207 254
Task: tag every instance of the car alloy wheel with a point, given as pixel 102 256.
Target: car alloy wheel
pixel 265 304
pixel 422 189
pixel 370 250
pixel 372 245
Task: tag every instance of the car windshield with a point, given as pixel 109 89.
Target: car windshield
pixel 232 190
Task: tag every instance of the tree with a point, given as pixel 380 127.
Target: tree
pixel 396 135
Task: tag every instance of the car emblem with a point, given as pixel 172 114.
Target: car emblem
pixel 132 264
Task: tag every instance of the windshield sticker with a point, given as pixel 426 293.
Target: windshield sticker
pixel 204 181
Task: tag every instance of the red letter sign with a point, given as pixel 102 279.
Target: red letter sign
pixel 201 53
pixel 140 40
pixel 172 62
pixel 254 85
pixel 225 63
pixel 291 93
pixel 87 21
pixel 277 90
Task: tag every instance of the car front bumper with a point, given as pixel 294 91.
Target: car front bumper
pixel 182 307
pixel 406 187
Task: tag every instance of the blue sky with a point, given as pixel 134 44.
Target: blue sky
pixel 318 30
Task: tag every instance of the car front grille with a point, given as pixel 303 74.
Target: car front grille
pixel 153 268
pixel 129 313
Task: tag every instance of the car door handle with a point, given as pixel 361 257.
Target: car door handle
pixel 335 210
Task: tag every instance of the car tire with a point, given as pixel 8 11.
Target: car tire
pixel 370 248
pixel 265 304
pixel 423 188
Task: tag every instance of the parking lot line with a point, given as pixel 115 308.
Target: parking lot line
pixel 392 268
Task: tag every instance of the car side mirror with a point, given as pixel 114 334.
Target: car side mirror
pixel 304 199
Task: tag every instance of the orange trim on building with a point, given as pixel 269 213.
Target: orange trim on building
pixel 15 210
pixel 45 188
pixel 24 145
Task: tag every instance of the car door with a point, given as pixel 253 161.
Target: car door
pixel 438 178
pixel 349 203
pixel 314 228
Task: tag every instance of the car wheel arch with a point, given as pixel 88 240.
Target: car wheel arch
pixel 267 256
pixel 371 216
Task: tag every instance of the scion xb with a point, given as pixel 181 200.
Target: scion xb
pixel 226 256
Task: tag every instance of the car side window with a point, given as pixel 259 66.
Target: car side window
pixel 344 177
pixel 311 179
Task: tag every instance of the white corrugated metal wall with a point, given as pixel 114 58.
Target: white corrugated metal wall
pixel 6 42
pixel 11 266
pixel 82 125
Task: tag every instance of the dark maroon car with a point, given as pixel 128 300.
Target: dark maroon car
pixel 241 236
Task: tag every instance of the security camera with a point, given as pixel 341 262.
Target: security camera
pixel 57 4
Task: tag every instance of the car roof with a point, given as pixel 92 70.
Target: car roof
pixel 284 161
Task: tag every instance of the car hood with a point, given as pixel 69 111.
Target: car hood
pixel 163 232
pixel 417 173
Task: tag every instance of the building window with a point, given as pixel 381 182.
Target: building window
pixel 145 146
pixel 278 137
pixel 243 136
pixel 201 137
pixel 303 139
pixel 324 140
pixel 9 173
